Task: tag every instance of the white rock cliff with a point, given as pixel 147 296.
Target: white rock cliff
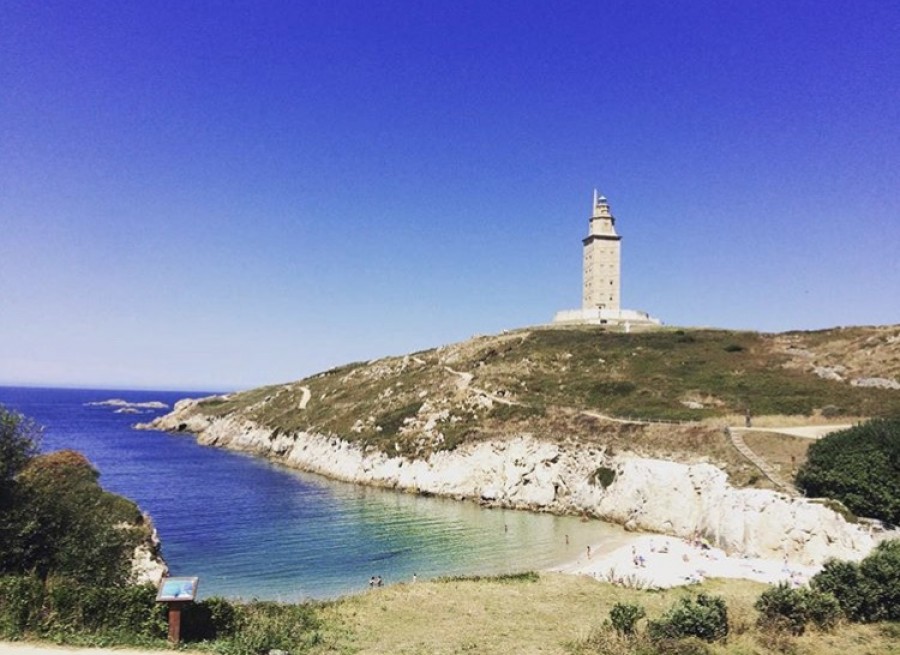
pixel 527 473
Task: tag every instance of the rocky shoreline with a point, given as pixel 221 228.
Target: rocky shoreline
pixel 522 472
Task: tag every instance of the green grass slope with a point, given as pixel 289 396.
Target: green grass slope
pixel 560 383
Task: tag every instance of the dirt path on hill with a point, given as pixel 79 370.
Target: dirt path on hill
pixel 804 431
pixel 304 399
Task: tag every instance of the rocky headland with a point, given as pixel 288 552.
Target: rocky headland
pixel 483 421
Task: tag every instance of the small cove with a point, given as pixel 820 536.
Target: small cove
pixel 253 529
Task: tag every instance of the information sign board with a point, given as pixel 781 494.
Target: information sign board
pixel 177 589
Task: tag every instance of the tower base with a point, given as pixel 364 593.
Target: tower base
pixel 624 317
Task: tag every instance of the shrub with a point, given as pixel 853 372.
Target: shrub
pixel 212 618
pixel 792 609
pixel 881 570
pixel 604 476
pixel 624 617
pixel 868 591
pixel 860 467
pixel 265 626
pixel 705 617
pixel 823 609
pixel 846 583
pixel 20 603
pixel 64 609
pixel 69 526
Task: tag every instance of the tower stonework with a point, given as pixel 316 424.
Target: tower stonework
pixel 601 302
pixel 602 260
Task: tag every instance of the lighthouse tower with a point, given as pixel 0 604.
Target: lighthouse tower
pixel 601 286
pixel 602 260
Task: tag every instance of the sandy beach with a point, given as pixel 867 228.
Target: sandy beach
pixel 659 561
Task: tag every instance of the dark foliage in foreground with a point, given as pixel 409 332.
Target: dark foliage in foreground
pixel 68 611
pixel 55 518
pixel 859 467
pixel 868 591
pixel 792 610
pixel 705 617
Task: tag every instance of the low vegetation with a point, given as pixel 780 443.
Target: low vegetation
pixel 788 620
pixel 565 384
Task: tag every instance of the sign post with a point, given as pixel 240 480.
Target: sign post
pixel 176 593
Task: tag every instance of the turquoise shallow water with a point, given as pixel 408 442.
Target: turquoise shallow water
pixel 253 529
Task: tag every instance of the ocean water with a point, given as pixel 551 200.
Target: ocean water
pixel 252 529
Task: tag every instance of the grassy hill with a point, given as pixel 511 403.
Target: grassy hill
pixel 572 383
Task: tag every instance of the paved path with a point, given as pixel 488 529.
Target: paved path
pixel 38 648
pixel 805 431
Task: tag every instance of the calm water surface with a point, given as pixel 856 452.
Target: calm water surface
pixel 253 529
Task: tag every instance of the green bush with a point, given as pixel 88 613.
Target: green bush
pixel 823 609
pixel 792 609
pixel 65 610
pixel 705 617
pixel 845 582
pixel 859 467
pixel 868 591
pixel 66 525
pixel 624 617
pixel 21 598
pixel 209 619
pixel 265 626
pixel 604 476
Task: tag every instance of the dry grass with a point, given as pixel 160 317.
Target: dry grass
pixel 482 617
pixel 555 615
pixel 785 453
pixel 541 381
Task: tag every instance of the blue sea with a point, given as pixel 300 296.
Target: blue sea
pixel 252 529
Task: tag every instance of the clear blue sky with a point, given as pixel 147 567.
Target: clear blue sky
pixel 218 195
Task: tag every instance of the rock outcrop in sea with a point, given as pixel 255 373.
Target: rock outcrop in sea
pixel 524 472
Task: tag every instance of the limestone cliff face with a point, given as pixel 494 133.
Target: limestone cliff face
pixel 527 473
pixel 147 564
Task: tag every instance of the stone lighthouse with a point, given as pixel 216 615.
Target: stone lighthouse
pixel 602 259
pixel 602 280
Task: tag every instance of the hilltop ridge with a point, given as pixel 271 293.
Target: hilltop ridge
pixel 584 384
